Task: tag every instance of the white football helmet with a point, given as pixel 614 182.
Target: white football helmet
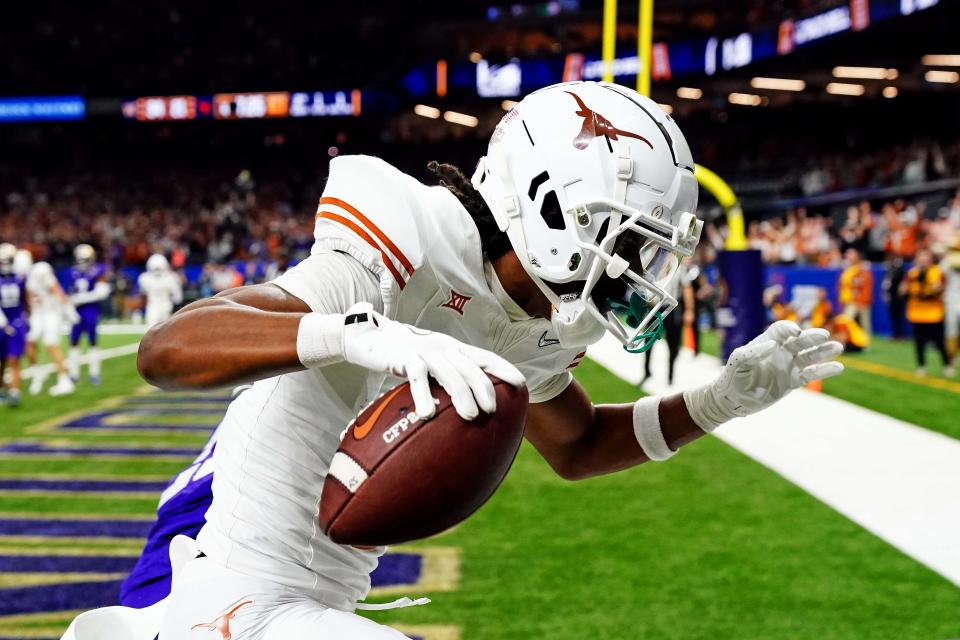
pixel 157 262
pixel 7 253
pixel 22 261
pixel 593 184
pixel 84 255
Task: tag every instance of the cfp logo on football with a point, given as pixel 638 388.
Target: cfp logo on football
pixel 391 433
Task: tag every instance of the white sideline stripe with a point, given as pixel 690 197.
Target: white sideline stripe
pixel 122 329
pixel 113 352
pixel 899 481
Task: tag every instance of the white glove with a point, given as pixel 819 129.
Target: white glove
pixel 70 314
pixel 377 343
pixel 3 320
pixel 763 371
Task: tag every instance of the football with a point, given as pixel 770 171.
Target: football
pixel 397 478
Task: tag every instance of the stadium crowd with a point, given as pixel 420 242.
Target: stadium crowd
pixel 896 228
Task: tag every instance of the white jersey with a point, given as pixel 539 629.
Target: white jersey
pixel 42 288
pixel 161 288
pixel 415 254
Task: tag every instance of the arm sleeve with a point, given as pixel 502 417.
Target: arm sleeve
pixel 331 282
pixel 551 387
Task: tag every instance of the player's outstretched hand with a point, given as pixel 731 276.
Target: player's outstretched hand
pixel 372 341
pixel 763 371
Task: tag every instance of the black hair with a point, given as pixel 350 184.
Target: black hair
pixel 493 241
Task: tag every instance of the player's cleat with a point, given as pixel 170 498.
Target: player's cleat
pixel 920 372
pixel 95 380
pixel 36 385
pixel 63 387
pixel 13 399
pixel 949 372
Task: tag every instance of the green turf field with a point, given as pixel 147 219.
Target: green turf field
pixel 710 545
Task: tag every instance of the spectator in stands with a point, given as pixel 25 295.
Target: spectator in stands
pixel 856 289
pixel 924 287
pixel 876 230
pixel 951 297
pixel 893 295
pixel 852 232
pixel 941 231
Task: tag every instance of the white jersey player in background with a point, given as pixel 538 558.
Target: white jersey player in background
pixel 573 226
pixel 50 313
pixel 161 287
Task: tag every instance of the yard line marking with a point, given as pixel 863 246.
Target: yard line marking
pixel 53 515
pixel 107 495
pixel 7 476
pixel 899 374
pixel 106 354
pixel 21 580
pixel 895 479
pixel 429 631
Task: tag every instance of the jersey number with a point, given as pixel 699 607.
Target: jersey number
pixel 9 295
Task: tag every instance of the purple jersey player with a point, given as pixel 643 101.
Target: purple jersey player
pixel 13 321
pixel 183 505
pixel 86 289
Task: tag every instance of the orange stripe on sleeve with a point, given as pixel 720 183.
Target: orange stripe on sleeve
pixel 373 228
pixel 357 229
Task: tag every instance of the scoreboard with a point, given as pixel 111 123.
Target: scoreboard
pixel 243 106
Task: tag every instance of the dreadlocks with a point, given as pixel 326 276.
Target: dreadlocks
pixel 493 241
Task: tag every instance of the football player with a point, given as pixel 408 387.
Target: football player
pixel 572 226
pixel 88 287
pixel 13 323
pixel 162 289
pixel 49 312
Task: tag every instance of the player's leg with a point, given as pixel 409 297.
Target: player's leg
pixel 674 336
pixel 51 342
pixel 34 336
pixel 940 343
pixel 952 325
pixel 16 345
pixel 866 319
pixel 154 315
pixel 73 356
pixel 920 344
pixel 93 350
pixel 4 338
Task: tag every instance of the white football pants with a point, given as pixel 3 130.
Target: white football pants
pixel 157 313
pixel 211 602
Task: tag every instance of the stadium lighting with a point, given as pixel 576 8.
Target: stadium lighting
pixel 844 89
pixel 745 99
pixel 941 60
pixel 460 118
pixel 475 57
pixel 689 93
pixel 427 112
pixel 866 73
pixel 667 109
pixel 508 104
pixel 890 92
pixel 778 84
pixel 942 77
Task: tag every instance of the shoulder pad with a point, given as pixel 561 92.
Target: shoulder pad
pixel 370 210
